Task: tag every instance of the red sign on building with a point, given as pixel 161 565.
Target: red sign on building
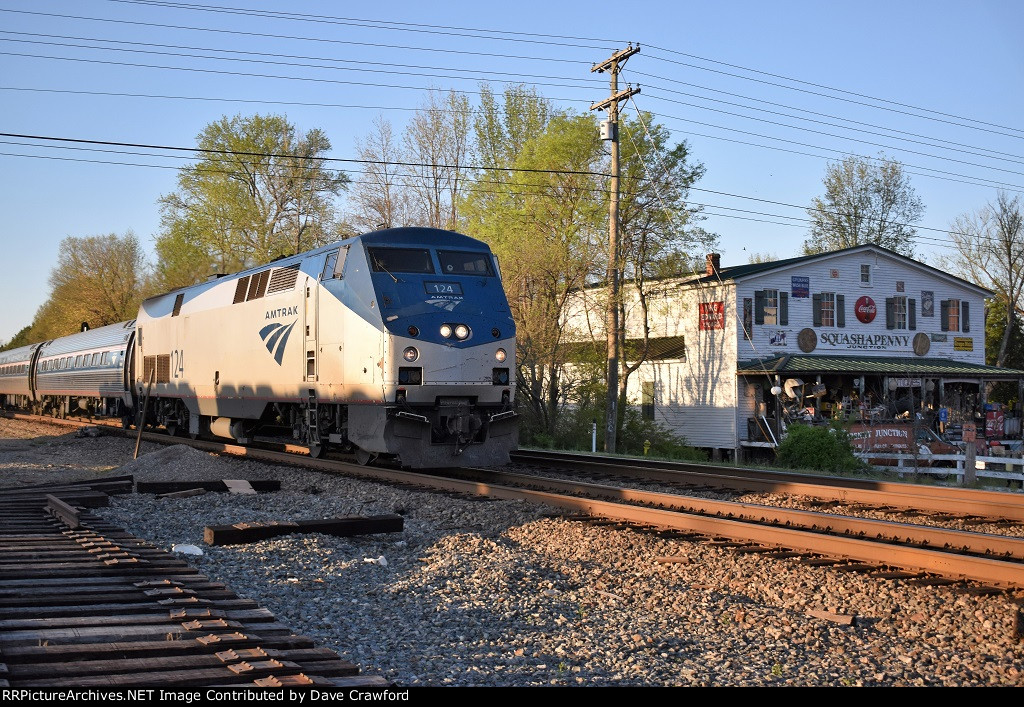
pixel 865 310
pixel 712 315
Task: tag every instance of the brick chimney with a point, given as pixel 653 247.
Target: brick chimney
pixel 714 263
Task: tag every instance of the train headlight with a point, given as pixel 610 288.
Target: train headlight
pixel 499 355
pixel 446 331
pixel 461 332
pixel 410 354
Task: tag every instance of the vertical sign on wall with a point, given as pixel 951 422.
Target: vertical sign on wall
pixel 800 286
pixel 712 315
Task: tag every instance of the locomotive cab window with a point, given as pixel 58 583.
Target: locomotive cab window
pixel 334 268
pixel 409 260
pixel 455 262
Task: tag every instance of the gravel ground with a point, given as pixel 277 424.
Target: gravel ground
pixel 495 593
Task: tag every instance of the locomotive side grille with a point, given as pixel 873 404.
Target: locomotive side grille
pixel 163 368
pixel 241 287
pixel 161 364
pixel 283 279
pixel 258 285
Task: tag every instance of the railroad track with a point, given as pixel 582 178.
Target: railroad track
pixel 84 604
pixel 898 550
pixel 971 504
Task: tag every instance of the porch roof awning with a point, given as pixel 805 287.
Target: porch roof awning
pixel 868 365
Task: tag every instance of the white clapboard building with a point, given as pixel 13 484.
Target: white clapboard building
pixel 861 333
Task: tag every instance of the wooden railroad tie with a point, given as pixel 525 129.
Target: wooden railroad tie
pixel 222 485
pixel 342 527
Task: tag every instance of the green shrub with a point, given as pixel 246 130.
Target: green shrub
pixel 819 449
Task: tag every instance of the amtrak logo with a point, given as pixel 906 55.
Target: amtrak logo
pixel 275 336
pixel 445 304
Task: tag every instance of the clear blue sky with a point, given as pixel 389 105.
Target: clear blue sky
pixel 952 74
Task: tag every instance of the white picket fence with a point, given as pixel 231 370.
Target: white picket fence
pixel 1005 468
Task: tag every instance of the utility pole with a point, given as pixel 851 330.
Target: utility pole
pixel 610 131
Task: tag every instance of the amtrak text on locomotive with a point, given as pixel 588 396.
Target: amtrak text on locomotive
pixel 282 312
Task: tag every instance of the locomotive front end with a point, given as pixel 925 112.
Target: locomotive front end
pixel 448 364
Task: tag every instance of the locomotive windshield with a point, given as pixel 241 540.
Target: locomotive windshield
pixel 455 262
pixel 411 260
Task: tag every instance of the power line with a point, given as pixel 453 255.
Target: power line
pixel 806 110
pixel 505 190
pixel 203 150
pixel 445 30
pixel 957 147
pixel 280 56
pixel 267 35
pixel 849 100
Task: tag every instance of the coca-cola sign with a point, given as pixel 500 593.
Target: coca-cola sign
pixel 865 310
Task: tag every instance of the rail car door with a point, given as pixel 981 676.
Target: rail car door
pixel 309 315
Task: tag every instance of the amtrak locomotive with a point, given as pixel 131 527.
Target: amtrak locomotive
pixel 398 343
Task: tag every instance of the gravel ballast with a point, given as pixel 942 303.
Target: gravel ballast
pixel 496 593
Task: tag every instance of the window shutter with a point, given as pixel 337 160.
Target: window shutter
pixel 965 319
pixel 944 314
pixel 784 308
pixel 816 310
pixel 912 314
pixel 890 313
pixel 840 310
pixel 759 307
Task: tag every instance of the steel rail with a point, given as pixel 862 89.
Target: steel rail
pixel 959 501
pixel 988 570
pixel 867 528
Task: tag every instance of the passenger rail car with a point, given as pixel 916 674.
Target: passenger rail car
pixel 86 372
pixel 397 343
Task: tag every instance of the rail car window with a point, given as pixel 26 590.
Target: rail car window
pixel 334 268
pixel 78 361
pixel 411 260
pixel 454 262
pixel 105 359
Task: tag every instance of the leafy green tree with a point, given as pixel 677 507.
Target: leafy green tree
pixel 1004 339
pixel 98 280
pixel 990 252
pixel 658 228
pixel 541 212
pixel 865 201
pixel 19 339
pixel 258 191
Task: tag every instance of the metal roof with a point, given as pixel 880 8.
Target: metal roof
pixel 737 272
pixel 882 365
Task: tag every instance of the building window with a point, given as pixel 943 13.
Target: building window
pixel 955 315
pixel 748 317
pixel 828 308
pixel 771 306
pixel 647 400
pixel 865 274
pixel 900 312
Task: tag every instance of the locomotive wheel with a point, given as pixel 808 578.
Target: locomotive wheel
pixel 315 450
pixel 172 428
pixel 364 457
